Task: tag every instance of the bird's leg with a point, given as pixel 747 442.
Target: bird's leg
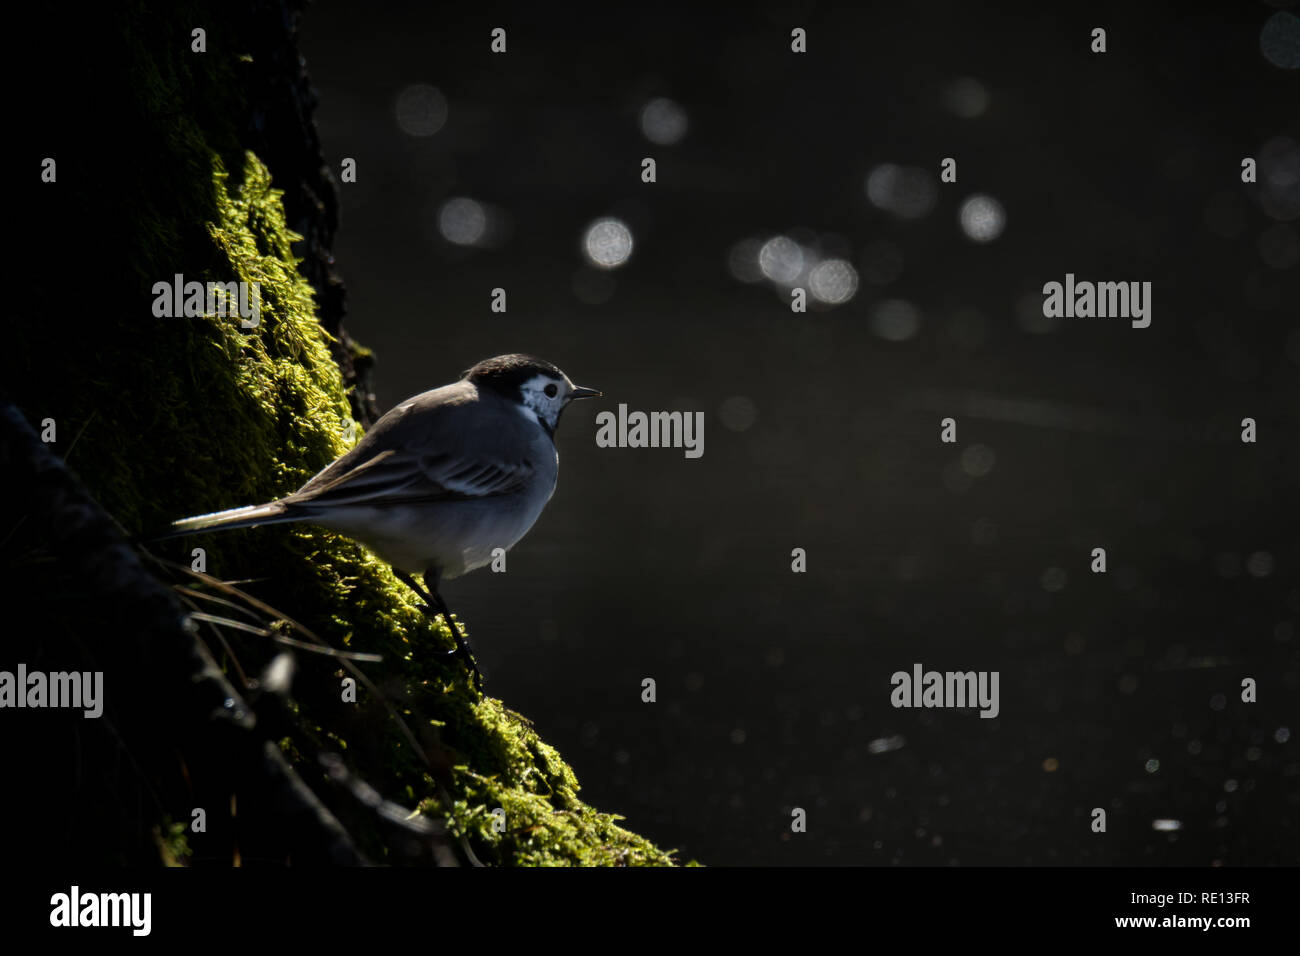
pixel 434 603
pixel 462 645
pixel 410 583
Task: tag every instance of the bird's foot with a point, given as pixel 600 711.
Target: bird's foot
pixel 462 651
pixel 465 655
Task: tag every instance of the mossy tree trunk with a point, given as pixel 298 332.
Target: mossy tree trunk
pixel 206 164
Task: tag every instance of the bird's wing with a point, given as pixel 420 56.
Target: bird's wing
pixel 396 477
pixel 422 452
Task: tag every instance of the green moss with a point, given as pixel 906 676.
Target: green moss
pixel 179 416
pixel 287 417
pixel 173 845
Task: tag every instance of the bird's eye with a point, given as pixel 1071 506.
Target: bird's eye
pixel 550 391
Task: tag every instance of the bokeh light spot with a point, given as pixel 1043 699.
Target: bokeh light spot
pixel 742 261
pixel 906 191
pixel 895 320
pixel 1279 40
pixel 462 221
pixel 1260 564
pixel 421 110
pixel 982 218
pixel 833 282
pixel 738 413
pixel 663 122
pixel 1054 579
pixel 1279 178
pixel 966 97
pixel 607 243
pixel 978 460
pixel 781 260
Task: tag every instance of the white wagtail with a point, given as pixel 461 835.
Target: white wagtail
pixel 441 481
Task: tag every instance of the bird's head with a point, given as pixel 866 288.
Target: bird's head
pixel 539 388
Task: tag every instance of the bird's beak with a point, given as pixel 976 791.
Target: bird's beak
pixel 580 391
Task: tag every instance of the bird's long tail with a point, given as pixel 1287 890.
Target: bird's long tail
pixel 274 513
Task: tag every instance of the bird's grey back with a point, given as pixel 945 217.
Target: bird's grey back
pixel 499 471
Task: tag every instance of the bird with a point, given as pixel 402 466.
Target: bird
pixel 440 481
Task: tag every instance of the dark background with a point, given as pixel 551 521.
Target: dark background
pixel 1119 691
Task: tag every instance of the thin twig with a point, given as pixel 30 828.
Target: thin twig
pixel 282 639
pixel 443 795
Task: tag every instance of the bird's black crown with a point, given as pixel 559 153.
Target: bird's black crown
pixel 505 373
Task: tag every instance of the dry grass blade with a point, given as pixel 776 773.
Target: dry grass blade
pixel 349 665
